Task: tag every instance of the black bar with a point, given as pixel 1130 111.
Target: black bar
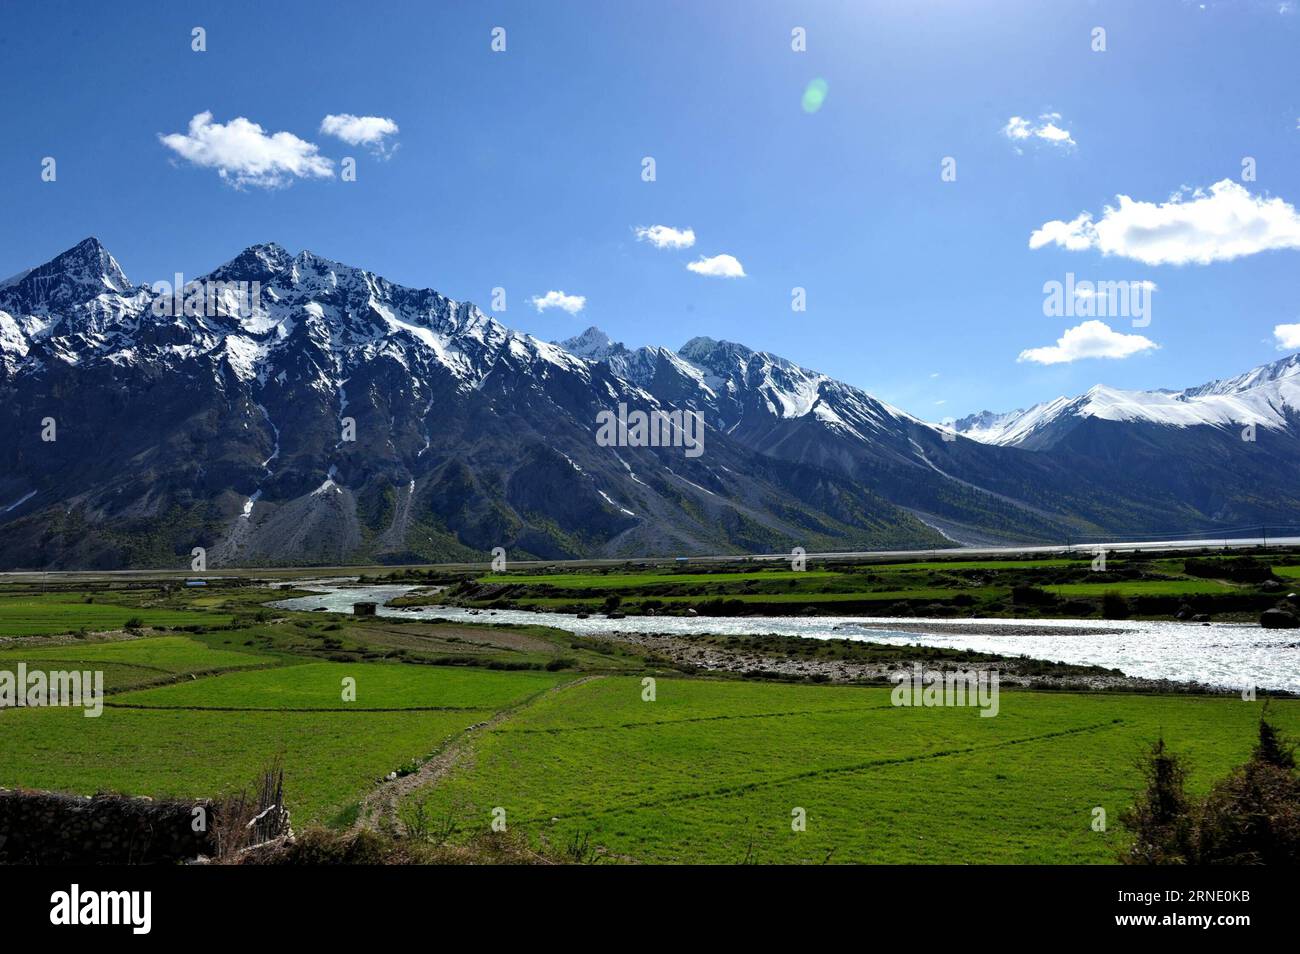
pixel 390 903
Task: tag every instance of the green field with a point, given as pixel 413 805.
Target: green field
pixel 624 581
pixel 552 727
pixel 1230 586
pixel 46 614
pixel 709 771
pixel 209 736
pixel 712 771
pixel 319 686
pixel 330 759
pixel 170 653
pixel 134 662
pixel 800 598
pixel 1141 588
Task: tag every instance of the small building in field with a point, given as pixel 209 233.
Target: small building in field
pixel 364 609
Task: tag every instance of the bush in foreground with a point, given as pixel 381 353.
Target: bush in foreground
pixel 1250 817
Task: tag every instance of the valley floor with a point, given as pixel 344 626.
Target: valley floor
pixel 587 749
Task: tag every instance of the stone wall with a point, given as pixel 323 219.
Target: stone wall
pixel 47 828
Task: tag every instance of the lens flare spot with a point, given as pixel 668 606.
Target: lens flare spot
pixel 815 95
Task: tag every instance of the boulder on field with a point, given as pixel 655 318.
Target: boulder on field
pixel 1278 619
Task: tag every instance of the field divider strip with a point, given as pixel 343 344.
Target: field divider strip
pixel 351 710
pixel 167 677
pixel 718 718
pixel 172 678
pixel 380 806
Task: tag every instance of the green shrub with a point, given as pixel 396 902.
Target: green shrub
pixel 1162 818
pixel 1250 817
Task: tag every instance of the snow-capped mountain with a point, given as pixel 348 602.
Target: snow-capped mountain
pixel 335 416
pixel 287 408
pixel 76 276
pixel 968 491
pixel 1267 397
pixel 743 389
pixel 1010 428
pixel 1219 454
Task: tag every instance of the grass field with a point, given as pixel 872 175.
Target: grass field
pixel 1154 586
pixel 170 653
pixel 134 662
pixel 1141 588
pixel 47 614
pixel 377 685
pixel 624 581
pixel 330 759
pixel 799 598
pixel 563 741
pixel 712 772
pixel 212 735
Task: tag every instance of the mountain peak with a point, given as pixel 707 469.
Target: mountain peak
pixel 1264 374
pixel 718 356
pixel 272 252
pixel 698 343
pixel 260 262
pixel 76 275
pixel 90 245
pixel 89 258
pixel 593 344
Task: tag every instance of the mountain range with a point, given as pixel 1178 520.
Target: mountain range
pixel 342 418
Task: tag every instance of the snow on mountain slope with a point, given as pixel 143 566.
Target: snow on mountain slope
pixel 1267 396
pixel 221 425
pixel 1012 427
pixel 81 273
pixel 757 381
pixel 593 345
pixel 333 416
pixel 739 387
pixel 82 308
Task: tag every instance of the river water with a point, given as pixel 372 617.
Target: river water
pixel 1232 655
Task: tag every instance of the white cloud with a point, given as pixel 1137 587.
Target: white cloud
pixel 558 299
pixel 1019 129
pixel 1092 339
pixel 719 266
pixel 1288 337
pixel 360 130
pixel 665 236
pixel 244 155
pixel 1224 223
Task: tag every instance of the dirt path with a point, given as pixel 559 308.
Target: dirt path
pixel 379 808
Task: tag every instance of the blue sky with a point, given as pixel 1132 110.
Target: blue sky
pixel 523 169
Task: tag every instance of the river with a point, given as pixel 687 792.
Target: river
pixel 1231 655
